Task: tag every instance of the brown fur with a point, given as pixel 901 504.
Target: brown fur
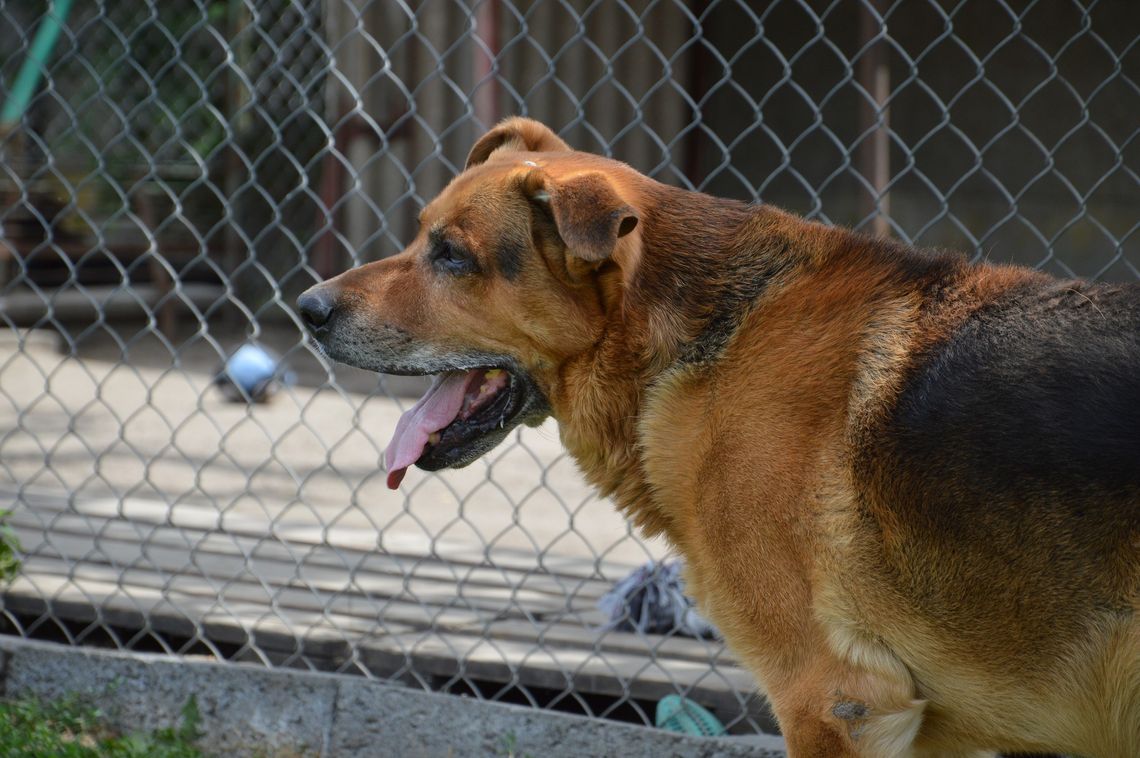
pixel 730 375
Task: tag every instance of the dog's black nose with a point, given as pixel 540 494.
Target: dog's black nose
pixel 316 306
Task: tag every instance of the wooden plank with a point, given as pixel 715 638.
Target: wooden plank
pixel 136 608
pixel 729 692
pixel 495 598
pixel 206 518
pixel 190 596
pixel 569 629
pixel 570 622
pixel 596 671
pixel 592 637
pixel 584 621
pixel 197 540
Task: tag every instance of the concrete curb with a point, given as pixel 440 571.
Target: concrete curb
pixel 250 710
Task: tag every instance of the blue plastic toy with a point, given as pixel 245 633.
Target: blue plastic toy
pixel 252 374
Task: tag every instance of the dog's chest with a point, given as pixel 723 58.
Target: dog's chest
pixel 674 440
pixel 731 503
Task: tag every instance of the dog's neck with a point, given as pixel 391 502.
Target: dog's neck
pixel 705 262
pixel 703 265
pixel 702 262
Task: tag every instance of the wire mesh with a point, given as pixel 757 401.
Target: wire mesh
pixel 181 170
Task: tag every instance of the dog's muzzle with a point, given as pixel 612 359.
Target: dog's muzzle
pixel 477 398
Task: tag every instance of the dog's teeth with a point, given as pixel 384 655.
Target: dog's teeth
pixel 492 373
pixel 433 438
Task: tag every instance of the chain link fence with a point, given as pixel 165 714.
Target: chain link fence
pixel 173 174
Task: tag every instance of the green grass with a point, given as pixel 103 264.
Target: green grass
pixel 9 549
pixel 74 728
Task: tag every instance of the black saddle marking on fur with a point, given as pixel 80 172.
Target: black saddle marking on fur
pixel 728 306
pixel 1039 390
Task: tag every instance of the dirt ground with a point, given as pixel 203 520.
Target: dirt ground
pixel 121 423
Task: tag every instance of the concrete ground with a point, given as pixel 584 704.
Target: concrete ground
pixel 134 423
pixel 250 711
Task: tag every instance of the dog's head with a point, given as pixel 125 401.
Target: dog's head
pixel 510 276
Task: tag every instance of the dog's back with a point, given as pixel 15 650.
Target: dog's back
pixel 1005 488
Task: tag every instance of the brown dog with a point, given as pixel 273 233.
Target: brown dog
pixel 907 488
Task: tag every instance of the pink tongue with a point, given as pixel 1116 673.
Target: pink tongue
pixel 436 409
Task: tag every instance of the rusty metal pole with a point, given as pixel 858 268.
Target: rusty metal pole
pixel 486 100
pixel 873 158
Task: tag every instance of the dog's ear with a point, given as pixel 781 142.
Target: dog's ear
pixel 589 214
pixel 521 134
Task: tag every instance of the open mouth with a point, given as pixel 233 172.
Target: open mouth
pixel 461 416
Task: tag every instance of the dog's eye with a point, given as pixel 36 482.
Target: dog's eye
pixel 453 259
